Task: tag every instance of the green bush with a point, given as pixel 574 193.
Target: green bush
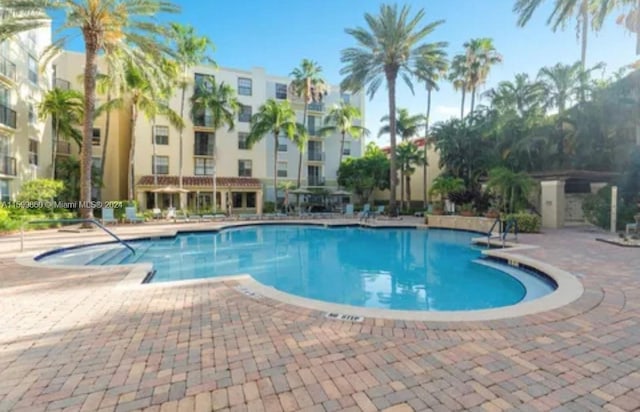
pixel 527 222
pixel 40 190
pixel 269 207
pixel 597 210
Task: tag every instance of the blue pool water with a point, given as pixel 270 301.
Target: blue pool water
pixel 405 269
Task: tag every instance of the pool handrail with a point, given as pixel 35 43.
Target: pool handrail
pixel 94 221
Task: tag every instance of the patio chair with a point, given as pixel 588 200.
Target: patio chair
pixel 633 227
pixel 131 215
pixel 107 216
pixel 157 213
pixel 378 212
pixel 181 216
pixel 171 213
pixel 348 210
pixel 366 212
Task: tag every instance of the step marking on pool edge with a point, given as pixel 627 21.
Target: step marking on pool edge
pixel 340 316
pixel 248 292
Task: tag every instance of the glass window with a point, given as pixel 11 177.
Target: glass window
pixel 312 121
pixel 245 114
pixel 244 168
pixel 236 199
pixel 346 98
pixel 5 196
pixel 32 114
pixel 282 147
pixel 346 149
pixel 33 69
pixel 281 91
pixel 95 138
pixel 161 134
pixel 204 143
pixel 242 141
pixel 33 152
pixel 96 162
pixel 245 86
pixel 203 81
pixel 203 166
pixel 282 169
pixel 31 40
pixel 251 199
pixel 161 164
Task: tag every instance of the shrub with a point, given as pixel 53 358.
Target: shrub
pixel 527 222
pixel 40 190
pixel 597 210
pixel 269 207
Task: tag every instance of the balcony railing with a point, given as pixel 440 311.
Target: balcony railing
pixel 63 148
pixel 7 68
pixel 8 165
pixel 316 107
pixel 61 84
pixel 315 156
pixel 203 120
pixel 316 181
pixel 7 116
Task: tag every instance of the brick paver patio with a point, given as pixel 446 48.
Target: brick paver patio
pixel 75 341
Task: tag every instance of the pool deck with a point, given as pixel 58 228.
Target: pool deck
pixel 77 340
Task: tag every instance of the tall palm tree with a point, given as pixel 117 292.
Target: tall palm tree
pixel 190 50
pixel 629 19
pixel 481 55
pixel 221 101
pixel 513 187
pixel 277 118
pixel 341 120
pixel 126 24
pixel 409 156
pixel 520 96
pixel 430 68
pixel 407 125
pixel 64 107
pixel 387 49
pixel 459 78
pixel 307 84
pixel 563 11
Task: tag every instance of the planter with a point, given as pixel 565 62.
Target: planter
pixel 437 212
pixel 492 215
pixel 467 213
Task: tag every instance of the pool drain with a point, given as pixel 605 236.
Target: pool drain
pixel 340 316
pixel 247 292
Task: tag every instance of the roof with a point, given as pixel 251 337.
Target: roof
pixel 418 141
pixel 590 175
pixel 201 181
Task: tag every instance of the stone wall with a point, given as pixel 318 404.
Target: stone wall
pixel 478 224
pixel 573 208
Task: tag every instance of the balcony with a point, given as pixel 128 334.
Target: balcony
pixel 203 120
pixel 316 181
pixel 7 69
pixel 8 165
pixel 63 148
pixel 316 107
pixel 7 116
pixel 315 156
pixel 61 84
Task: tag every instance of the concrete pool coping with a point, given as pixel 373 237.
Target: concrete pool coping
pixel 569 288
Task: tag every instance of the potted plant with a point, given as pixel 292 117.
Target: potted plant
pixel 438 208
pixel 467 209
pixel 492 213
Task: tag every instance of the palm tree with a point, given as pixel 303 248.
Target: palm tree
pixel 459 78
pixel 520 96
pixel 630 19
pixel 390 47
pixel 559 82
pixel 481 56
pixel 445 185
pixel 563 11
pixel 128 25
pixel 220 100
pixel 341 120
pixel 277 118
pixel 307 84
pixel 513 187
pixel 409 156
pixel 190 50
pixel 64 107
pixel 407 125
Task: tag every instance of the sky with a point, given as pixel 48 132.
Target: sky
pixel 278 34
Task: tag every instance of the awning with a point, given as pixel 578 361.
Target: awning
pixel 201 182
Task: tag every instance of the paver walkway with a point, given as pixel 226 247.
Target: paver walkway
pixel 75 341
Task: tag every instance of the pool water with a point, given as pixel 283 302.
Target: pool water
pixel 405 269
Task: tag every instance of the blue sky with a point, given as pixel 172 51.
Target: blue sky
pixel 277 34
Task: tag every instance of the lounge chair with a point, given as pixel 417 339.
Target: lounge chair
pixel 157 213
pixel 366 212
pixel 131 216
pixel 171 213
pixel 348 210
pixel 378 212
pixel 633 227
pixel 107 216
pixel 181 216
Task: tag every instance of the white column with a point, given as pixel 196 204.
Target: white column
pixel 259 202
pixel 552 202
pixel 614 208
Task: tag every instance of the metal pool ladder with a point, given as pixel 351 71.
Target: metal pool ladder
pixel 93 221
pixel 511 223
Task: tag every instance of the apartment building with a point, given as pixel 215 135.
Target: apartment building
pixel 25 141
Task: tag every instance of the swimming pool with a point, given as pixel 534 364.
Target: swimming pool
pixel 390 268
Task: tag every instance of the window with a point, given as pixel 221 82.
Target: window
pixel 203 81
pixel 5 196
pixel 282 147
pixel 204 143
pixel 236 199
pixel 251 199
pixel 242 141
pixel 346 149
pixel 244 168
pixel 161 164
pixel 33 152
pixel 96 162
pixel 245 86
pixel 31 40
pixel 33 69
pixel 161 134
pixel 203 166
pixel 281 91
pixel 282 169
pixel 346 98
pixel 32 114
pixel 311 124
pixel 95 138
pixel 245 114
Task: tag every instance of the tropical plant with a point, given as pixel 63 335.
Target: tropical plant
pixel 308 85
pixel 341 119
pixel 278 119
pixel 481 55
pixel 286 186
pixel 40 190
pixel 364 174
pixel 445 185
pixel 459 78
pixel 407 125
pixel 64 107
pixel 387 49
pixel 190 49
pixel 128 25
pixel 512 187
pixel 69 172
pixel 409 156
pixel 519 97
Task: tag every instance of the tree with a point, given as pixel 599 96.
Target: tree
pixel 341 119
pixel 430 68
pixel 40 190
pixel 459 78
pixel 630 19
pixel 446 185
pixel 69 172
pixel 520 96
pixel 481 55
pixel 512 187
pixel 407 126
pixel 364 174
pixel 279 119
pixel 64 107
pixel 307 84
pixel 126 24
pixel 409 156
pixel 387 49
pixel 190 50
pixel 220 100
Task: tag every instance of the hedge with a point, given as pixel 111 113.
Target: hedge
pixel 527 222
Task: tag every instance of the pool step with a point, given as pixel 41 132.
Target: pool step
pixel 104 257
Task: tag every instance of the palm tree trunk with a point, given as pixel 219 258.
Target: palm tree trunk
pixel 304 122
pixel 132 152
pixel 401 189
pixel 408 186
pixel 464 94
pixel 275 170
pixel 341 149
pixel 425 168
pixel 91 48
pixel 54 147
pixel 473 100
pixel 107 127
pixel 181 143
pixel 393 173
pixel 153 165
pixel 585 32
